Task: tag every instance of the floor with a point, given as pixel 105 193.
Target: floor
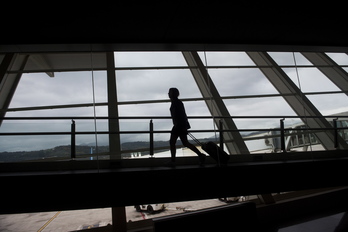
pixel 325 224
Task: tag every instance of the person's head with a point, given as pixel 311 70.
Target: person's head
pixel 173 93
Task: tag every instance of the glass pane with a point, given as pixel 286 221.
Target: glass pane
pixel 339 58
pixel 287 58
pixel 142 85
pixel 65 88
pixel 238 82
pixel 225 58
pixel 154 109
pixel 149 59
pixel 311 80
pixel 329 104
pixel 269 106
pixel 34 147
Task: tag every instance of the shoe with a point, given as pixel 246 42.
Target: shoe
pixel 202 159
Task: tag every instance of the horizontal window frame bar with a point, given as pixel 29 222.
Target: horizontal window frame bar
pixel 167 117
pixel 91 69
pixel 160 101
pixel 302 131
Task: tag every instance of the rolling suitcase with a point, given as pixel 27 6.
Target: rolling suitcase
pixel 213 150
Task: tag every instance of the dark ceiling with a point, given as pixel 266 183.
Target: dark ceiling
pixel 175 22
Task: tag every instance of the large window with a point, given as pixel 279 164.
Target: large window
pixel 57 88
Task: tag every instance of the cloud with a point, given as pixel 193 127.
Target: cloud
pixel 154 84
pixel 330 104
pixel 148 59
pixel 37 89
pixel 225 58
pixel 310 80
pixel 239 82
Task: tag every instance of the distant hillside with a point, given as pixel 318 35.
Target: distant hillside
pixel 65 151
pixel 56 152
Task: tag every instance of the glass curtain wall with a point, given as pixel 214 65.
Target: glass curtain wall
pixel 57 88
pixel 56 94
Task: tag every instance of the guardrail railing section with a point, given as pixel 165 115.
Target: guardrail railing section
pixel 50 139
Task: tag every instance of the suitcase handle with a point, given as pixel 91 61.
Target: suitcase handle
pixel 195 139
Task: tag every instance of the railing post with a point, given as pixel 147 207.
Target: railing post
pixel 221 134
pixel 336 133
pixel 73 145
pixel 151 138
pixel 282 135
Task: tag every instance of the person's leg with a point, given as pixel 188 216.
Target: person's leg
pixel 187 144
pixel 172 142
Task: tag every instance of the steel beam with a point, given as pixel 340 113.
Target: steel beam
pixel 42 63
pixel 329 68
pixel 215 103
pixel 114 139
pixel 9 82
pixel 295 98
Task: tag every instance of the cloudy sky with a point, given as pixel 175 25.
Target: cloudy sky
pixel 38 89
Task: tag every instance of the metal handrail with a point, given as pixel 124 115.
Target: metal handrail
pixel 315 130
pixel 151 131
pixel 163 117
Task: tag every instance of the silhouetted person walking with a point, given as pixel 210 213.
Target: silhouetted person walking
pixel 181 125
